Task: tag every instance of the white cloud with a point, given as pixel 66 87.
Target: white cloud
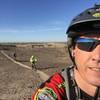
pixel 31 30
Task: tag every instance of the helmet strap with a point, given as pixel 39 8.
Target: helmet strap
pixel 97 94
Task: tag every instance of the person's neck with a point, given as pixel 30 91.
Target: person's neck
pixel 83 85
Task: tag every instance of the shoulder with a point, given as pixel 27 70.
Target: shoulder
pixel 56 78
pixel 52 88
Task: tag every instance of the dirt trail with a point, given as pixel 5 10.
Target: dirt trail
pixel 17 80
pixel 16 83
pixel 42 75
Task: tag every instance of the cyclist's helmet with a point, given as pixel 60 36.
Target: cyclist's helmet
pixel 85 22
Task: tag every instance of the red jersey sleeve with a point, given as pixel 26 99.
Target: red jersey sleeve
pixel 53 88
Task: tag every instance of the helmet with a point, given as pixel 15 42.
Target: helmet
pixel 85 22
pixel 32 56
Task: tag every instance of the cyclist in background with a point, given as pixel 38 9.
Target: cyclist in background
pixel 33 61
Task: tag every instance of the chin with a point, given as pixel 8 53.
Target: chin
pixel 95 82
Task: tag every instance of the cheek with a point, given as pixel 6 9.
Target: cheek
pixel 81 62
pixel 81 57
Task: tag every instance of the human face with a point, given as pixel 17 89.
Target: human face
pixel 88 62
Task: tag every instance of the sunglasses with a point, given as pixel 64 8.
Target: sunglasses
pixel 86 44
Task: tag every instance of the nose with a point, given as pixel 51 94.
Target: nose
pixel 96 54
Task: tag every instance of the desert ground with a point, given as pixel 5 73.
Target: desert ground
pixel 17 82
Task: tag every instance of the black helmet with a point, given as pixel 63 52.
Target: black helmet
pixel 87 21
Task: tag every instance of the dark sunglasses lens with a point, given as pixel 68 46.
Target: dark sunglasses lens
pixel 86 46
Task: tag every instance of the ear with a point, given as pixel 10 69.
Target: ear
pixel 73 52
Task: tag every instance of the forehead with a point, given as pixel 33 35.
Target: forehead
pixel 92 35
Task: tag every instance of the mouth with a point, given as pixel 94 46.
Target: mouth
pixel 95 69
